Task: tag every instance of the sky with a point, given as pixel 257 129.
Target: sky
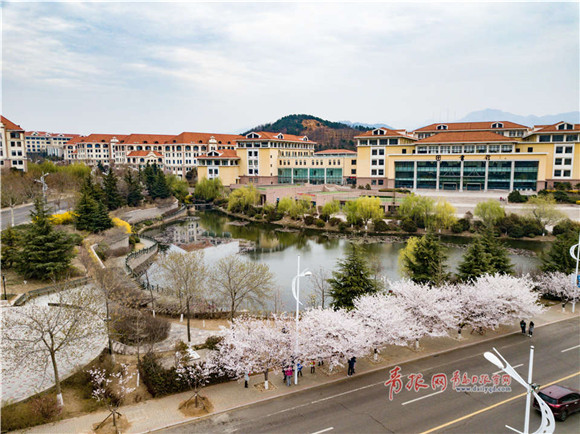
pixel 164 67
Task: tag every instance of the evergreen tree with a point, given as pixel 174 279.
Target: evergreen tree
pixel 101 167
pixel 499 259
pixel 112 195
pixel 45 253
pixel 149 176
pixel 558 258
pixel 10 243
pixel 161 188
pixel 134 195
pixel 91 215
pixel 352 280
pixel 476 262
pixel 426 264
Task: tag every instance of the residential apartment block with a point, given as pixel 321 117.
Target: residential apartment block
pixel 12 145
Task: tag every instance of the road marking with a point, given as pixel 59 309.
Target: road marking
pixel 494 406
pixel 347 392
pixel 330 428
pixel 422 397
pixel 515 366
pixel 571 348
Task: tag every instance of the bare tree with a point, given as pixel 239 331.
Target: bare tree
pixel 185 276
pixel 241 282
pixel 320 284
pixel 39 335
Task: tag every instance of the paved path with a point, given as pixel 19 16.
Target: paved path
pixel 22 212
pixel 159 413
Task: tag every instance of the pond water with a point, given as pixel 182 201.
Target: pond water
pixel 279 250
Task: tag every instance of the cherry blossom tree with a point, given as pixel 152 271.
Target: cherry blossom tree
pixel 385 320
pixel 559 285
pixel 335 335
pixel 195 375
pixel 111 389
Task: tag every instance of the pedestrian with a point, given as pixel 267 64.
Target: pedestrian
pixel 312 366
pixel 531 329
pixel 288 373
pixel 351 363
pixel 320 361
pixel 246 380
pixel 299 367
pixel 284 373
pixel 523 326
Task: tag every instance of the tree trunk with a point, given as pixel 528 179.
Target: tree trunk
pixel 188 323
pixel 232 310
pixel 266 379
pixel 59 400
pixel 12 215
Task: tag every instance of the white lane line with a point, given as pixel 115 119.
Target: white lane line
pixel 571 348
pixel 422 397
pixel 330 428
pixel 515 366
pixel 347 392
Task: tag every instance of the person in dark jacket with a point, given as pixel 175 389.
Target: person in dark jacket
pixel 351 363
pixel 523 326
pixel 531 329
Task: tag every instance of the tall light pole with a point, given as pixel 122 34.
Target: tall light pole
pixel 296 294
pixel 548 424
pixel 575 253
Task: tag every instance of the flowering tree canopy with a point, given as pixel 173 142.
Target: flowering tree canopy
pixel 557 284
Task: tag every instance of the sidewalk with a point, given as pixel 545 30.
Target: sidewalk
pixel 159 413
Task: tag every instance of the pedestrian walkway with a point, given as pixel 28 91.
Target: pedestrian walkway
pixel 160 413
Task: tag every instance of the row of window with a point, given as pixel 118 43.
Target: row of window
pixel 466 149
pixel 560 172
pixel 275 145
pixel 375 142
pixel 558 138
pixel 564 149
pixel 563 161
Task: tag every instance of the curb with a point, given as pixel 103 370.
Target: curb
pixel 337 380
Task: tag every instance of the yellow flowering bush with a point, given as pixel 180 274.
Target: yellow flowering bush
pixel 64 218
pixel 122 223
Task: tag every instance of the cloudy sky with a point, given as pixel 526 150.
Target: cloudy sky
pixel 127 67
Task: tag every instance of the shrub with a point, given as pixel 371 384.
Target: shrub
pixel 562 186
pixel 334 221
pixel 19 416
pixel 342 226
pixel 516 197
pixel 565 226
pixel 409 225
pixel 122 224
pixel 64 218
pixel 131 326
pixel 393 227
pixel 102 251
pixel 77 239
pixel 320 223
pixel 380 226
pixel 45 406
pixel 367 187
pixel 562 197
pixel 212 342
pixel 457 227
pixel 134 239
pixel 516 231
pixel 308 220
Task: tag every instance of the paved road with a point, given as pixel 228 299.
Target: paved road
pixel 361 404
pixel 22 213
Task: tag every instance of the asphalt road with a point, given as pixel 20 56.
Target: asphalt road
pixel 22 213
pixel 360 404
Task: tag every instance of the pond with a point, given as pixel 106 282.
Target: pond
pixel 279 250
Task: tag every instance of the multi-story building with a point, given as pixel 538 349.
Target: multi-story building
pixel 331 166
pixel 220 163
pixel 53 144
pixel 94 148
pixel 12 146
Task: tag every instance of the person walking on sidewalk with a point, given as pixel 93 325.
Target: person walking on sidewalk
pixel 523 326
pixel 351 363
pixel 312 366
pixel 531 329
pixel 299 367
pixel 246 380
pixel 288 373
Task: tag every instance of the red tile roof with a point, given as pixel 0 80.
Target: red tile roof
pixel 467 137
pixel 188 137
pixel 554 128
pixel 388 133
pixel 143 153
pixel 9 125
pixel 135 139
pixel 272 136
pixel 45 134
pixel 335 151
pixel 94 138
pixel 223 153
pixel 466 126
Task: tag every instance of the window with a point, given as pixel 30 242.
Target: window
pixel 381 152
pixel 497 125
pixel 422 150
pixel 557 138
pixel 381 172
pixel 353 162
pixel 456 149
pixel 481 149
pixel 383 141
pixel 565 126
pixel 493 149
pixel 374 182
pixel 567 161
pixel 557 173
pixel 545 138
pixel 353 171
pixel 374 152
pixel 441 127
pixel 374 162
pixel 381 162
pixel 381 182
pixel 530 149
pixel 572 138
pixel 404 151
pixel 433 149
pixel 506 148
pixel 566 173
pixel 568 150
pixel 469 149
pixel 393 141
pixel 374 172
pixel 558 162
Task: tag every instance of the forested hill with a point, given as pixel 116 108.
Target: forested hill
pixel 327 134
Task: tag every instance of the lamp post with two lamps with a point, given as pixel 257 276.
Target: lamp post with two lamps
pixel 296 294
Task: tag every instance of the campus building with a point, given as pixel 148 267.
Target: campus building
pixel 12 145
pixel 51 144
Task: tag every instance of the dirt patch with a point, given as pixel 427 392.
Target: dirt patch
pixel 204 406
pixel 108 427
pixel 261 388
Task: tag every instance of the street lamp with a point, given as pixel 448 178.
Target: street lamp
pixel 575 253
pixel 548 424
pixel 296 294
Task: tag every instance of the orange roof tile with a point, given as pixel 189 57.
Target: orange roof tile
pixel 135 139
pixel 467 137
pixel 94 138
pixel 223 153
pixel 272 136
pixel 9 125
pixel 554 128
pixel 466 126
pixel 388 133
pixel 335 151
pixel 203 138
pixel 143 153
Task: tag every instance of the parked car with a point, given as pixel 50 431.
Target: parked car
pixel 562 400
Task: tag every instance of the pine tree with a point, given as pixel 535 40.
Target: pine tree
pixel 558 258
pixel 91 215
pixel 476 262
pixel 134 195
pixel 112 195
pixel 10 243
pixel 499 258
pixel 45 253
pixel 426 264
pixel 149 176
pixel 161 188
pixel 352 280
